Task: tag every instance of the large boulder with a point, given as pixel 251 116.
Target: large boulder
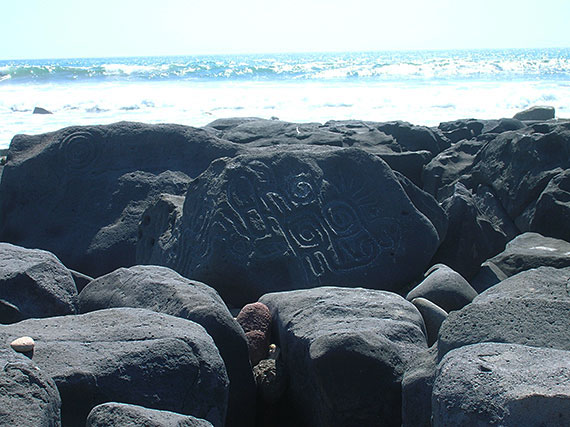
pixel 29 397
pixel 478 228
pixel 502 384
pixel 518 165
pixel 449 166
pixel 530 308
pixel 163 290
pixel 33 283
pixel 345 350
pixel 79 192
pixel 279 219
pixel 532 250
pixel 551 214
pixel 405 147
pixel 124 415
pixel 128 355
pixel 445 287
pixel 537 112
pixel 417 386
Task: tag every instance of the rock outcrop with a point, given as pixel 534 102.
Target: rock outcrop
pixel 91 185
pixel 285 219
pixel 345 351
pixel 33 283
pixel 165 291
pixel 128 355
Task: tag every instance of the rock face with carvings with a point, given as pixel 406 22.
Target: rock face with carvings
pixel 280 219
pixel 79 192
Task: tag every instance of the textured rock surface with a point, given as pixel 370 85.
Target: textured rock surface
pixel 28 397
pixel 163 290
pixel 536 113
pixel 128 355
pixel 532 250
pixel 518 165
pixel 282 219
pixel 433 316
pixel 478 228
pixel 33 283
pixel 417 386
pixel 445 288
pixel 271 380
pixel 125 415
pixel 551 216
pixel 530 308
pixel 502 384
pixel 449 165
pixel 255 320
pixel 100 179
pixel 345 351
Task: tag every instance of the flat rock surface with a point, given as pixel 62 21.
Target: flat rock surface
pixel 128 354
pixel 33 283
pixel 298 218
pixel 29 397
pixel 125 415
pixel 532 250
pixel 530 308
pixel 345 351
pixel 100 179
pixel 502 384
pixel 165 291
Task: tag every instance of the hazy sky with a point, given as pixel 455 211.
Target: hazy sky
pixel 65 28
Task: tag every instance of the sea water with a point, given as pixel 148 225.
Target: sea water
pixel 422 87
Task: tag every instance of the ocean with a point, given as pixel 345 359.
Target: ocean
pixel 422 87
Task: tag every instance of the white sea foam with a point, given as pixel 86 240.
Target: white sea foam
pixel 423 88
pixel 197 104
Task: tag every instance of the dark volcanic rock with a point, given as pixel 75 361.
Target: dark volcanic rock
pixel 417 387
pixel 532 250
pixel 518 165
pixel 345 351
pixel 40 110
pixel 33 283
pixel 405 147
pixel 536 113
pixel 530 308
pixel 444 287
pixel 426 204
pixel 413 138
pixel 128 355
pixel 502 384
pixel 29 397
pixel 545 283
pixel 79 192
pixel 433 316
pixel 81 280
pixel 449 166
pixel 462 129
pixel 478 228
pixel 125 415
pixel 163 290
pixel 551 214
pixel 156 231
pixel 279 219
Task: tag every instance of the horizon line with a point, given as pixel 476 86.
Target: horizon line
pixel 292 52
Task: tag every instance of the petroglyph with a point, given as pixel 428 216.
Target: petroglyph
pixel 262 217
pixel 80 150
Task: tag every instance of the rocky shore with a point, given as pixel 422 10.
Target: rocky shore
pixel 265 273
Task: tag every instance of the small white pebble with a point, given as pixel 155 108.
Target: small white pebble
pixel 23 344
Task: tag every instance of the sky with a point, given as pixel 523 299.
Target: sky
pixel 36 29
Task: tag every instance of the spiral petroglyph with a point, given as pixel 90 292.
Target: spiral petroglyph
pixel 80 150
